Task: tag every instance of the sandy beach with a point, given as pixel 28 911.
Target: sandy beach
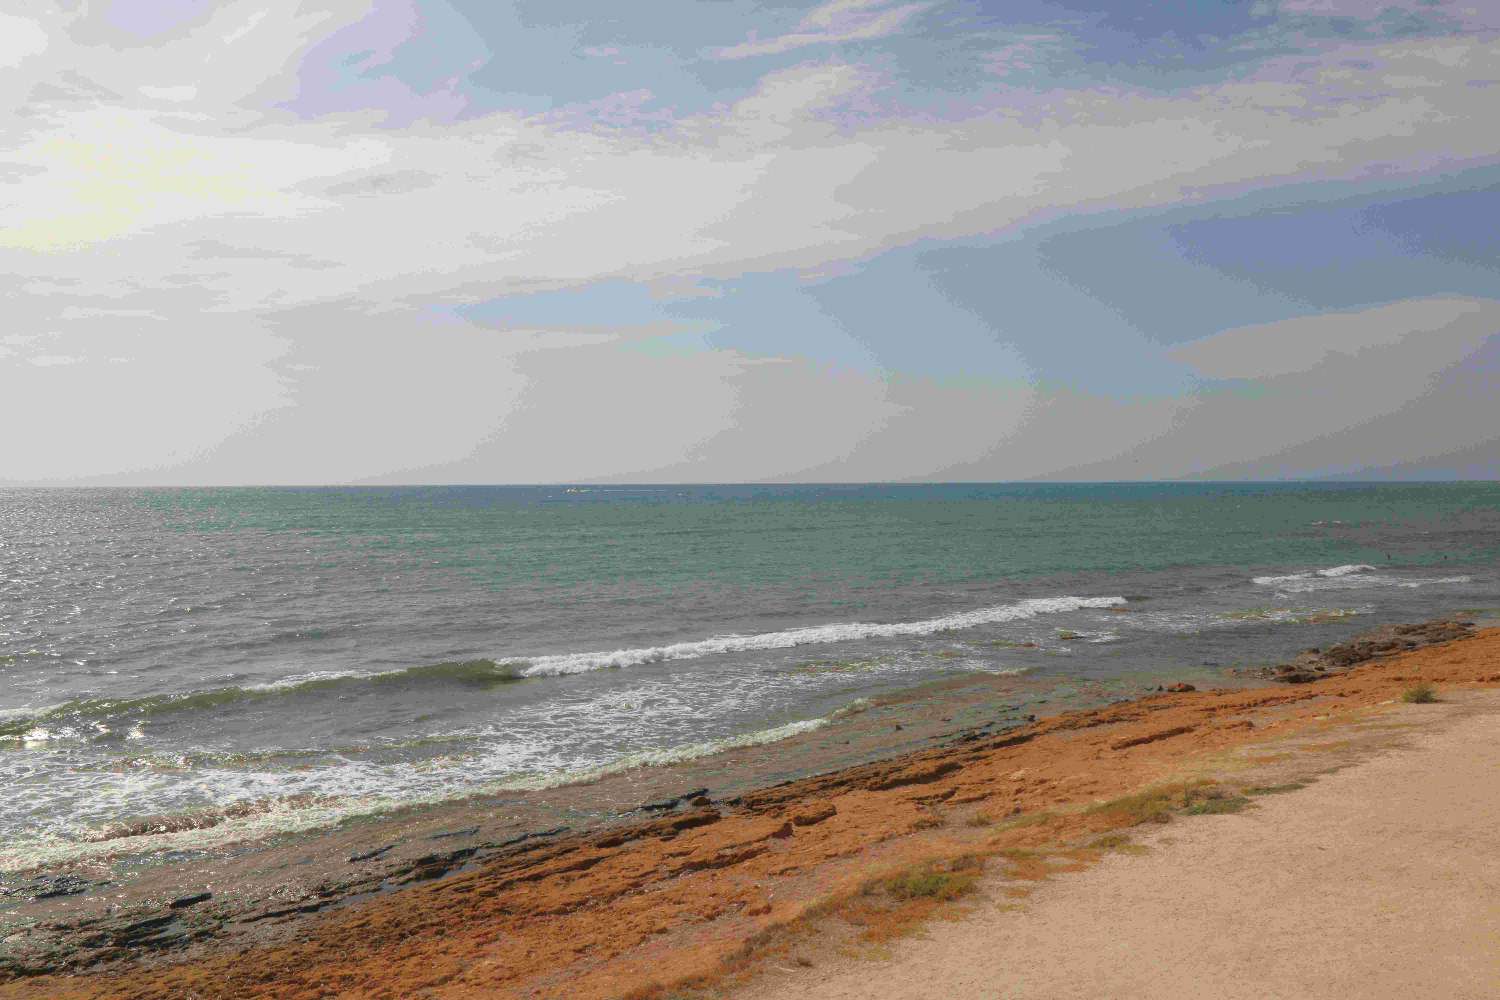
pixel 1379 881
pixel 1361 821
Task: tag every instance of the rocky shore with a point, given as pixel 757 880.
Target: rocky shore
pixel 1317 664
pixel 679 890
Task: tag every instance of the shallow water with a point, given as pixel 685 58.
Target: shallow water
pixel 327 652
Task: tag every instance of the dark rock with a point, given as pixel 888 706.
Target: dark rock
pixel 661 806
pixel 53 886
pixel 466 832
pixel 182 902
pixel 432 866
pixel 673 802
pixel 1314 663
pixel 369 855
pixel 522 838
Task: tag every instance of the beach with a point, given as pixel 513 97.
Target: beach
pixel 752 499
pixel 1379 881
pixel 705 894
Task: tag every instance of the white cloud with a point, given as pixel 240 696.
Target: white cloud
pixel 20 39
pixel 225 241
pixel 1296 345
pixel 177 95
pixel 829 24
pixel 181 396
pixel 1414 384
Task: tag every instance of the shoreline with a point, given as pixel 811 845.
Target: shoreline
pixel 649 905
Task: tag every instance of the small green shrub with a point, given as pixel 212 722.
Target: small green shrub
pixel 1419 694
pixel 1219 806
pixel 933 882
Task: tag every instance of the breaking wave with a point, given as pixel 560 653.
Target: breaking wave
pixel 577 663
pixel 663 757
pixel 25 725
pixel 1345 577
pixel 250 819
pixel 42 723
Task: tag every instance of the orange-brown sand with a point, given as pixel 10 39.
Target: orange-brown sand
pixel 672 904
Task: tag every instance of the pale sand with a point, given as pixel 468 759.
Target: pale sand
pixel 1381 880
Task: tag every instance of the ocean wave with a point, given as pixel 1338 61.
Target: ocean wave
pixel 202 819
pixel 1346 577
pixel 1332 573
pixel 248 819
pixel 577 663
pixel 475 673
pixel 487 673
pixel 664 757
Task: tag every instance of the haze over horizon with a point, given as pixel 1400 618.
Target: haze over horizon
pixel 451 241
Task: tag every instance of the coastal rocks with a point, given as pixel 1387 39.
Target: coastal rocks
pixel 914 776
pixel 1162 734
pixel 814 814
pixel 50 887
pixel 663 828
pixel 561 917
pixel 182 902
pixel 1315 664
pixel 696 797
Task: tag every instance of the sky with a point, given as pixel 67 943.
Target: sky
pixel 523 241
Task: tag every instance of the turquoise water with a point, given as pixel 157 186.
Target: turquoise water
pixel 328 651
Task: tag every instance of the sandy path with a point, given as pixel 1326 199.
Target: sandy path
pixel 1382 880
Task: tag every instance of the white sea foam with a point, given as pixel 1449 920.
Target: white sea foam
pixel 1332 573
pixel 855 707
pixel 1345 577
pixel 577 663
pixel 298 680
pixel 335 804
pixel 663 757
pixel 1352 568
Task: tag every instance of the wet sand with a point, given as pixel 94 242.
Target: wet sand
pixel 708 892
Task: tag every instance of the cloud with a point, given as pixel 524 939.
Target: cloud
pixel 177 95
pixel 829 24
pixel 1298 345
pixel 223 240
pixel 20 39
pixel 1417 382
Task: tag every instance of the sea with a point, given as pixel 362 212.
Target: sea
pixel 285 659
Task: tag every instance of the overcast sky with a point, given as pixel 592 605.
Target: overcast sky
pixel 730 240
